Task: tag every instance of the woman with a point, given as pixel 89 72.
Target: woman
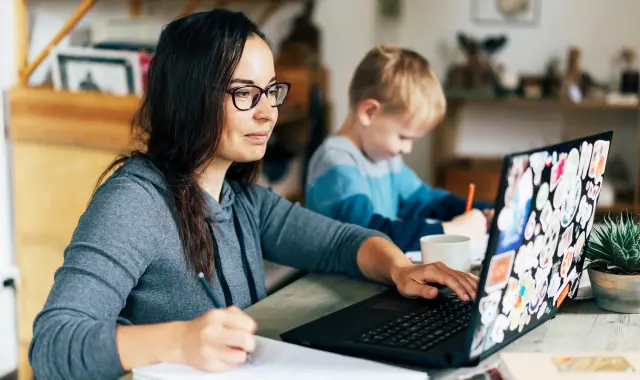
pixel 128 293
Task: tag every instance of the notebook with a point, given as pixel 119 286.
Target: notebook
pixel 579 366
pixel 274 359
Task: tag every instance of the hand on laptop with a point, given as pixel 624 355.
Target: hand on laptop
pixel 413 281
pixel 218 340
pixel 472 224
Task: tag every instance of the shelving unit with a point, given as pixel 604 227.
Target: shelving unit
pixel 459 178
pixel 63 140
pixel 548 103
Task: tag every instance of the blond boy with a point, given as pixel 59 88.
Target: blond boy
pixel 358 176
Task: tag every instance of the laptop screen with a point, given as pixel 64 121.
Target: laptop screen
pixel 544 214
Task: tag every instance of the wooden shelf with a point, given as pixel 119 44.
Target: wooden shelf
pixel 87 119
pixel 83 119
pixel 557 103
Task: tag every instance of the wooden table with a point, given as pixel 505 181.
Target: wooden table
pixel 581 326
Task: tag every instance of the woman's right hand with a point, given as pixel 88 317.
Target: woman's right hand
pixel 472 224
pixel 218 340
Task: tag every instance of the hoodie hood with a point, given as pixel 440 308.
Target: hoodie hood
pixel 145 170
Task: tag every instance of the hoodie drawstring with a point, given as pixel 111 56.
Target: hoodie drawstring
pixel 228 298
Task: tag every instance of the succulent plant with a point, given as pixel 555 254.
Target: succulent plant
pixel 615 247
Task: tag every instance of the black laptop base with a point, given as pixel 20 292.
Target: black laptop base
pixel 352 331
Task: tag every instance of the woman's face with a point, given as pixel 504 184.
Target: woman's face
pixel 245 133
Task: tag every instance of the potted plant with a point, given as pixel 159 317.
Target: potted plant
pixel 614 268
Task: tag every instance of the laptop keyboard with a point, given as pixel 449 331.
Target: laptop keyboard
pixel 421 330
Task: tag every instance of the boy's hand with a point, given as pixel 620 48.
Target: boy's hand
pixel 472 224
pixel 489 213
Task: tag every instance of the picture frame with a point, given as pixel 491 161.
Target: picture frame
pixel 116 72
pixel 506 12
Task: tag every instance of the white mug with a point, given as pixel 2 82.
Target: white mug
pixel 454 251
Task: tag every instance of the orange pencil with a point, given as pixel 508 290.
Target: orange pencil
pixel 472 190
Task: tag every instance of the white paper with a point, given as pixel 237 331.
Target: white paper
pixel 274 359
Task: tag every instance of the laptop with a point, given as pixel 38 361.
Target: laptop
pixel 544 214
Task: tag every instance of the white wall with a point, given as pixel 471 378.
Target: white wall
pixel 599 28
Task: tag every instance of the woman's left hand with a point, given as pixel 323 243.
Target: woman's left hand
pixel 414 281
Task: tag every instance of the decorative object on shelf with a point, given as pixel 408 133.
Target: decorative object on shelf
pixel 506 12
pixel 302 46
pixel 85 69
pixel 629 77
pixel 552 81
pixel 614 268
pixel 477 75
pixel 134 32
pixel 531 87
pixel 571 84
pixel 507 81
pixel 578 84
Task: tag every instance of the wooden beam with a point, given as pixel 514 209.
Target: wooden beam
pixel 191 7
pixel 21 12
pixel 135 8
pixel 267 12
pixel 79 13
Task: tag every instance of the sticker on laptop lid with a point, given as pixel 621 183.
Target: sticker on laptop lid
pixel 569 206
pixel 498 327
pixel 563 294
pixel 511 295
pixel 545 215
pixel 585 159
pixel 488 307
pixel 557 170
pixel 499 271
pixel 538 161
pixel 584 212
pixel 578 247
pixel 598 160
pixel 542 196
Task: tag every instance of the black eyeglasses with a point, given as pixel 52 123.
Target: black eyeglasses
pixel 246 97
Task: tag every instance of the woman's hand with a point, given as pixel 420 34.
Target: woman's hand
pixel 413 281
pixel 218 340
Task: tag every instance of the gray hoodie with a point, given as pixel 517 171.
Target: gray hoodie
pixel 125 265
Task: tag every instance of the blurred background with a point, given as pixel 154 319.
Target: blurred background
pixel 518 74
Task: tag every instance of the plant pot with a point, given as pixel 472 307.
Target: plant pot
pixel 614 292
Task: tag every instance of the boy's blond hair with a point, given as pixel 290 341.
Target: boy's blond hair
pixel 401 80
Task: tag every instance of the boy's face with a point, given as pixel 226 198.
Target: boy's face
pixel 387 135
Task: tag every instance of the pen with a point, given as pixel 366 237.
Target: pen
pixel 472 190
pixel 209 291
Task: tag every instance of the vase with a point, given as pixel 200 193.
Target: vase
pixel 615 292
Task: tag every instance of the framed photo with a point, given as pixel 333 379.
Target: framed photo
pixel 506 12
pixel 116 72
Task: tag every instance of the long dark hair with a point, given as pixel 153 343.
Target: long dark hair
pixel 180 119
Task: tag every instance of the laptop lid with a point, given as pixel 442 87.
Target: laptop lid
pixel 544 214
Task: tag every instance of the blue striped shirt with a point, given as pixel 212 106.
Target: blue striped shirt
pixel 343 184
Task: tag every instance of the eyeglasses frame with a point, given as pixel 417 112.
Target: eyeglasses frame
pixel 263 91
